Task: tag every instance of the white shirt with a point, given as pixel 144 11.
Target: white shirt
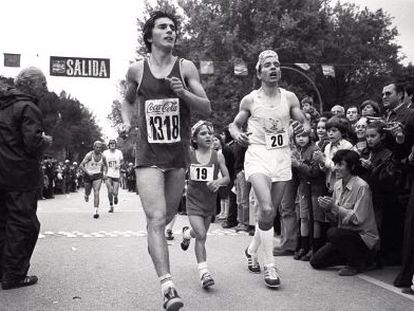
pixel 113 159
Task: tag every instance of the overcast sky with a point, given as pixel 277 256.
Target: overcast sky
pixel 107 29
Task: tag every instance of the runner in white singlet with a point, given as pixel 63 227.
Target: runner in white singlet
pixel 94 166
pixel 114 159
pixel 267 112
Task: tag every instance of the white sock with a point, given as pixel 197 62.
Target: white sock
pixel 166 282
pixel 187 234
pixel 267 246
pixel 96 210
pixel 202 268
pixel 255 243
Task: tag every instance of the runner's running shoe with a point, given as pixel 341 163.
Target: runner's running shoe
pixel 252 262
pixel 185 243
pixel 207 280
pixel 271 277
pixel 172 302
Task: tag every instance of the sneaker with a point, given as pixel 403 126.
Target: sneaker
pixel 115 199
pixel 348 271
pixel 169 235
pixel 241 227
pixel 227 225
pixel 86 197
pixel 277 251
pixel 111 209
pixel 252 263
pixel 206 280
pixel 308 256
pixel 27 281
pixel 96 216
pixel 185 243
pixel 271 277
pixel 172 302
pixel 302 252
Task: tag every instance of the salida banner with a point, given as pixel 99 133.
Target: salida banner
pixel 79 67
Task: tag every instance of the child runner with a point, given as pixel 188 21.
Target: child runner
pixel 202 193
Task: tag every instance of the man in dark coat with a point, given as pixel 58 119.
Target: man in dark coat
pixel 22 143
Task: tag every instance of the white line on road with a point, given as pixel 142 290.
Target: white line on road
pixel 385 286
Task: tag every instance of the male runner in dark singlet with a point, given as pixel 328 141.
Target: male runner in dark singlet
pixel 164 90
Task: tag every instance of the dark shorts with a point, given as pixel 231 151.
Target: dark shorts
pixel 112 179
pixel 91 178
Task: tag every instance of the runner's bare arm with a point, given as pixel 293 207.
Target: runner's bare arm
pixel 297 114
pixel 85 160
pixel 104 167
pixel 127 103
pixel 214 185
pixel 224 171
pixel 235 128
pixel 196 96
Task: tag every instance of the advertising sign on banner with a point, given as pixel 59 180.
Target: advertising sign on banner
pixel 206 67
pixel 240 69
pixel 11 60
pixel 79 67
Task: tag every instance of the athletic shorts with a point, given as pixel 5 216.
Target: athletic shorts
pixel 91 178
pixel 112 179
pixel 274 163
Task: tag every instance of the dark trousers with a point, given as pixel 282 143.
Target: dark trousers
pixel 232 217
pixel 19 229
pixel 407 269
pixel 343 247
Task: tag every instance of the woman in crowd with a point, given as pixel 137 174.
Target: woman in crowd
pixel 352 242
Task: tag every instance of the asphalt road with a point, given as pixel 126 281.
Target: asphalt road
pixel 88 264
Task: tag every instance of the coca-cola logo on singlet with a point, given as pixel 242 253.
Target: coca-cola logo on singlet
pixel 163 107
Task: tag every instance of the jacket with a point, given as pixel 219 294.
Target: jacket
pixel 21 142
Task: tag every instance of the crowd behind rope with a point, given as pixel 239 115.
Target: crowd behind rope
pixel 66 177
pixel 381 136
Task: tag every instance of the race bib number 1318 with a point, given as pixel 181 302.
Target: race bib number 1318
pixel 163 120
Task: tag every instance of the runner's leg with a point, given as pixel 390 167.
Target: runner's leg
pixel 174 187
pixel 108 183
pixel 150 182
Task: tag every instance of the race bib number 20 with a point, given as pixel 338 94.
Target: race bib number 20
pixel 163 120
pixel 276 140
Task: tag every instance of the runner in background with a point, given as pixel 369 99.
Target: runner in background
pixel 114 159
pixel 94 166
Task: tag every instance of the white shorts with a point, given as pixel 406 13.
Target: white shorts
pixel 274 163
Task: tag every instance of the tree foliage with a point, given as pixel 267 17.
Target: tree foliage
pixel 359 43
pixel 72 126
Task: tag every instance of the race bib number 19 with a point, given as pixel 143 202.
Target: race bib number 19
pixel 163 120
pixel 201 173
pixel 276 140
